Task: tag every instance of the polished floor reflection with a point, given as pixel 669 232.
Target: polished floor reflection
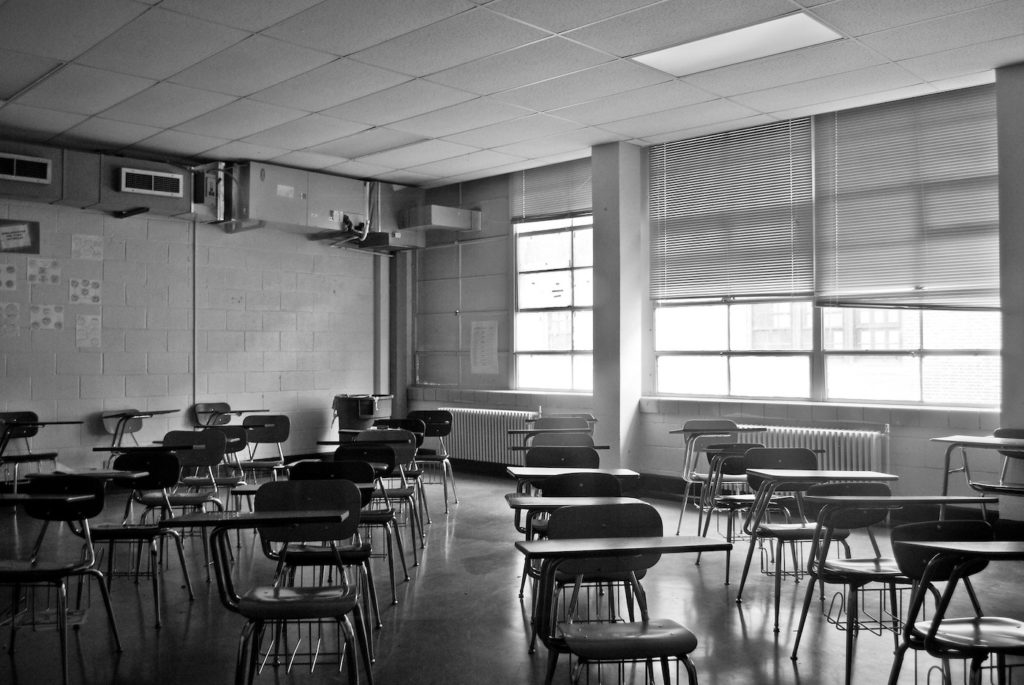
pixel 460 620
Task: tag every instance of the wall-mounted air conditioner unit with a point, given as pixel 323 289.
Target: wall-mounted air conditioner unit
pixel 437 217
pixel 147 182
pixel 134 186
pixel 30 172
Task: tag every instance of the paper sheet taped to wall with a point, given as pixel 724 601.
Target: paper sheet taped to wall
pixel 483 352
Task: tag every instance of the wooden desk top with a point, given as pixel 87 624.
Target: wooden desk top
pixel 990 549
pixel 983 442
pixel 740 428
pixel 589 547
pixel 139 414
pixel 100 474
pixel 532 502
pixel 541 472
pixel 818 475
pixel 11 498
pixel 250 519
pixel 899 500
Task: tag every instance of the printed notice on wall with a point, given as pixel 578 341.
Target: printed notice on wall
pixel 8 277
pixel 87 331
pixel 46 317
pixel 84 291
pixel 483 352
pixel 85 246
pixel 44 271
pixel 9 313
pixel 19 236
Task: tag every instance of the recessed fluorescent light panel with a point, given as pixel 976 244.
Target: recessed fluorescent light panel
pixel 773 37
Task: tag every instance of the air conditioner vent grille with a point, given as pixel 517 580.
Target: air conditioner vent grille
pixel 152 182
pixel 23 168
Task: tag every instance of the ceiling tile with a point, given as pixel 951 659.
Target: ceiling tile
pixel 330 85
pixel 180 143
pixel 534 126
pixel 406 178
pixel 565 14
pixel 166 104
pixel 521 66
pixel 366 142
pixel 466 115
pixel 475 161
pixel 251 65
pixel 962 61
pixel 16 118
pixel 572 142
pixel 342 27
pixel 239 150
pixel 706 129
pixel 447 43
pixel 357 169
pixel 83 90
pixel 656 98
pixel 991 22
pixel 61 29
pixel 860 17
pixel 21 70
pixel 308 160
pixel 591 84
pixel 679 119
pixel 875 98
pixel 239 119
pixel 403 101
pixel 418 153
pixel 256 15
pixel 822 90
pixel 159 44
pixel 305 132
pixel 106 133
pixel 789 67
pixel 671 23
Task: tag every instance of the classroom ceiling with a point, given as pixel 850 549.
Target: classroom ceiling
pixel 431 92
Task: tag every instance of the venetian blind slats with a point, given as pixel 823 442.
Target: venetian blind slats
pixel 552 191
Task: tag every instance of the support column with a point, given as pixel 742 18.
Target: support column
pixel 620 288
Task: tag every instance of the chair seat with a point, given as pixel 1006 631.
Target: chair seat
pixel 178 499
pixel 376 515
pixel 864 569
pixel 268 603
pixel 982 634
pixel 316 555
pixel 795 531
pixel 617 641
pixel 24 571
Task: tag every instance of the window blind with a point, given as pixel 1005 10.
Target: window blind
pixel 907 203
pixel 731 214
pixel 552 191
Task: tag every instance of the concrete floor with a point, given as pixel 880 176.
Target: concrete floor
pixel 460 620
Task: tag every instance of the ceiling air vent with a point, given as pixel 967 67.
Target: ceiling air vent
pixel 146 182
pixel 23 168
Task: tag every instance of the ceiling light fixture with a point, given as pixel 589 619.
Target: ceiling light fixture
pixel 773 37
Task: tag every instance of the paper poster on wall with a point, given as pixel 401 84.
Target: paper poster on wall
pixel 483 351
pixel 8 277
pixel 84 291
pixel 19 236
pixel 9 314
pixel 88 331
pixel 43 271
pixel 48 317
pixel 85 246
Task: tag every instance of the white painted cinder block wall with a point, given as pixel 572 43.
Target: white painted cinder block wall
pixel 260 319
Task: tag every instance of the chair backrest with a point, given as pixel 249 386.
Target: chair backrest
pixel 65 485
pixel 795 458
pixel 581 457
pixel 403 442
pixel 912 561
pixel 162 467
pixel 582 485
pixel 850 516
pixel 354 471
pixel 197 449
pixel 381 456
pixel 414 426
pixel 438 421
pixel 127 425
pixel 267 428
pixel 314 495
pixel 572 439
pixel 9 419
pixel 1016 433
pixel 236 437
pixel 733 456
pixel 606 521
pixel 212 413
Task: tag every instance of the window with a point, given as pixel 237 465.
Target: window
pixel 554 304
pixel 901 304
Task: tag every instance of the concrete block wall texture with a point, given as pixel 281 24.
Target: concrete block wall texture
pixel 259 319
